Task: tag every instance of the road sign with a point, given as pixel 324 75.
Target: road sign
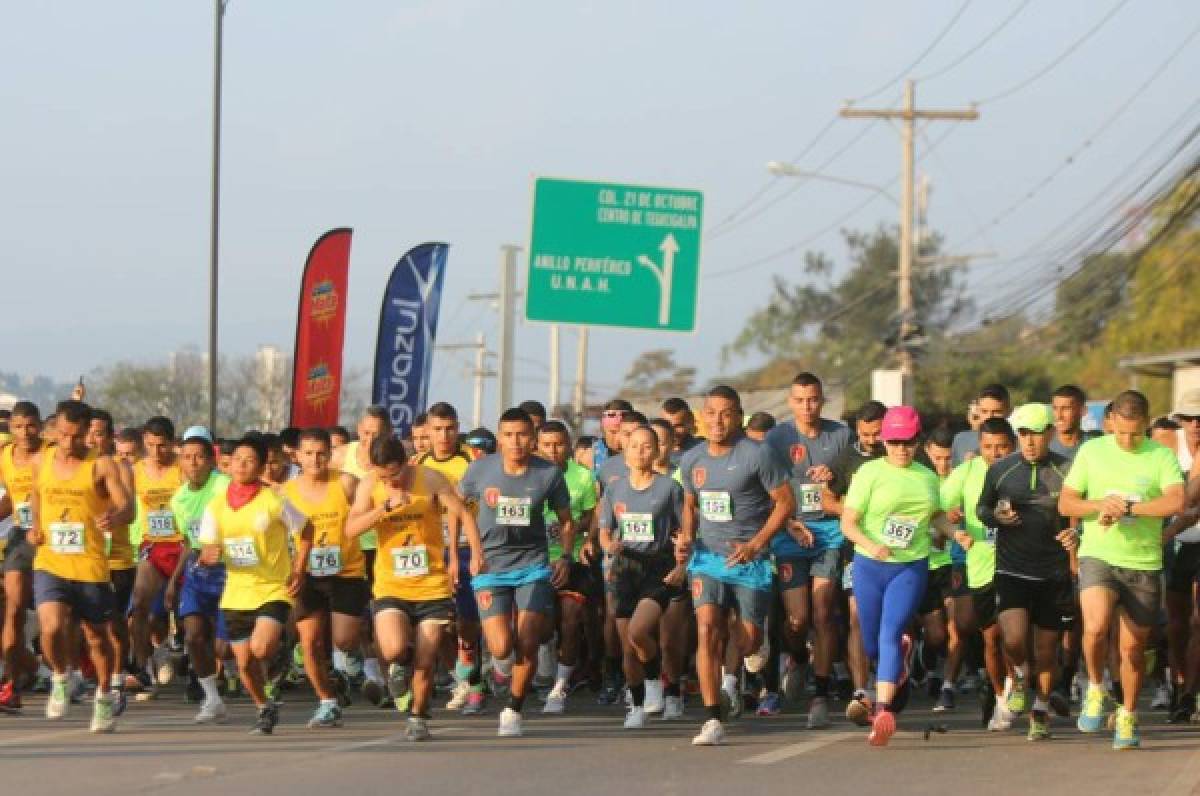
pixel 614 255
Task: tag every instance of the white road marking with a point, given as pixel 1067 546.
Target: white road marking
pixel 793 750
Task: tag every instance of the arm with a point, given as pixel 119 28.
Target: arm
pixel 113 480
pixel 295 581
pixel 852 530
pixel 985 509
pixel 1071 503
pixel 562 567
pixel 1168 504
pixel 364 514
pixel 782 508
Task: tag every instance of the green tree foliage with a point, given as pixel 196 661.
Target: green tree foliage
pixel 655 373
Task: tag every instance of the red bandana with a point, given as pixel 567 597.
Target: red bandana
pixel 239 495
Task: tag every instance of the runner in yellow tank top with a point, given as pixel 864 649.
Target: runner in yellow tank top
pixel 156 477
pixel 248 526
pixel 17 462
pixel 78 496
pixel 413 580
pixel 336 590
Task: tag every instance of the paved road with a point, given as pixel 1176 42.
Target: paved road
pixel 157 749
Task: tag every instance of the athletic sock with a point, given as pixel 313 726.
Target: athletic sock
pixel 462 672
pixel 1040 705
pixel 729 682
pixel 1020 670
pixel 516 702
pixel 638 692
pixel 653 668
pixel 117 680
pixel 209 684
pixel 713 711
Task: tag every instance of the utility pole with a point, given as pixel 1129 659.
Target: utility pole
pixel 555 376
pixel 581 378
pixel 506 304
pixel 214 218
pixel 908 114
pixel 479 373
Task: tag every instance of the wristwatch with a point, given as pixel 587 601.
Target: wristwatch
pixel 1129 507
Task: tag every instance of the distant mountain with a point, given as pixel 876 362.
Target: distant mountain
pixel 42 390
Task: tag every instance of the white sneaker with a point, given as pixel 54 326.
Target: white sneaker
pixel 1002 718
pixel 635 719
pixel 711 734
pixel 672 708
pixel 732 700
pixel 654 697
pixel 58 701
pixel 212 712
pixel 818 713
pixel 458 697
pixel 510 724
pixel 755 661
pixel 556 701
pixel 163 666
pixel 1162 698
pixel 102 715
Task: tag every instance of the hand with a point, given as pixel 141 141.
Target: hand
pixel 1007 516
pixel 676 577
pixel 881 552
pixel 800 533
pixel 210 555
pixel 35 537
pixel 683 550
pixel 562 570
pixel 295 583
pixel 1113 506
pixel 820 473
pixel 955 516
pixel 104 522
pixel 1106 521
pixel 743 553
pixel 478 565
pixel 964 539
pixel 1069 539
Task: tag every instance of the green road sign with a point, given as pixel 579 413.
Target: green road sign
pixel 614 255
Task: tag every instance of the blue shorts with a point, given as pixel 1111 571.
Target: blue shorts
pixel 89 602
pixel 464 593
pixel 201 595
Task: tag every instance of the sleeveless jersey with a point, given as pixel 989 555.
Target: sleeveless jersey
pixel 156 520
pixel 410 564
pixel 332 553
pixel 368 540
pixel 73 547
pixel 18 480
pixel 453 468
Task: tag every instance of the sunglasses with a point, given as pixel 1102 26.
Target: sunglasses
pixel 612 413
pixel 904 443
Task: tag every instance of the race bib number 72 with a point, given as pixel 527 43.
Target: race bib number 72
pixel 66 537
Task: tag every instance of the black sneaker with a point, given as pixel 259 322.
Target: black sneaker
pixel 268 717
pixel 1182 712
pixel 610 694
pixel 1060 703
pixel 341 688
pixel 987 703
pixel 945 701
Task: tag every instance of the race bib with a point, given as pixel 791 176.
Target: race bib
pixel 899 531
pixel 810 499
pixel 324 561
pixel 514 511
pixel 160 524
pixel 989 535
pixel 66 538
pixel 240 552
pixel 23 515
pixel 716 506
pixel 637 528
pixel 411 561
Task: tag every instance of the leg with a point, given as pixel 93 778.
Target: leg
pixel 198 638
pixel 54 620
pixel 430 634
pixel 570 626
pixel 101 651
pixel 901 597
pixel 712 622
pixel 312 630
pixel 1045 643
pixel 18 660
pixel 856 656
pixel 1097 604
pixel 1014 629
pixel 1132 639
pixel 673 637
pixel 530 627
pixel 146 587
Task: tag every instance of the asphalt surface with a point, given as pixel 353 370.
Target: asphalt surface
pixel 158 749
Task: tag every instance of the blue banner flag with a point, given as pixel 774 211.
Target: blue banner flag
pixel 407 329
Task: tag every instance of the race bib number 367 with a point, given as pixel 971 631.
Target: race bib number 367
pixel 899 531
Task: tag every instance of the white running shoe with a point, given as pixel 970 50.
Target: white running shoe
pixel 732 700
pixel 556 701
pixel 102 715
pixel 163 666
pixel 672 708
pixel 654 697
pixel 1162 698
pixel 635 719
pixel 1002 718
pixel 711 734
pixel 755 661
pixel 58 701
pixel 510 724
pixel 458 697
pixel 818 713
pixel 212 712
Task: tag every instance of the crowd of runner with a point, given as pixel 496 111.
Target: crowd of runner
pixel 742 564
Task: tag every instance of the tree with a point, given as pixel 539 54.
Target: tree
pixel 655 374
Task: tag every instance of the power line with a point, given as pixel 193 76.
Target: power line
pixel 891 81
pixel 977 46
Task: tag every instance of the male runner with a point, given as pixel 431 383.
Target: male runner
pixel 609 443
pixel 250 527
pixel 536 411
pixel 419 433
pixel 1033 565
pixel 677 412
pixel 808 556
pixel 946 582
pixel 335 593
pixel 510 488
pixel 1122 486
pixel 736 497
pixel 1187 413
pixel 17 464
pixel 993 401
pixel 78 496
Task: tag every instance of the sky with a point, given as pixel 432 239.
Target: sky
pixel 421 121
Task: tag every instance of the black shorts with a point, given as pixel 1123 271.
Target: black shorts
pixel 984 602
pixel 122 583
pixel 239 625
pixel 1049 603
pixel 1184 568
pixel 18 553
pixel 634 581
pixel 937 590
pixel 417 611
pixel 582 581
pixel 333 594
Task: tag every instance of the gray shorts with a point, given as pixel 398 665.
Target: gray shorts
pixel 796 572
pixel 18 553
pixel 751 605
pixel 1139 591
pixel 537 596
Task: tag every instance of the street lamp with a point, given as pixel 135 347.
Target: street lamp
pixel 218 31
pixel 782 169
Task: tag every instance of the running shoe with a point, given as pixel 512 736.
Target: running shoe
pixel 1016 696
pixel 635 719
pixel 711 734
pixel 1162 698
pixel 1060 703
pixel 1002 718
pixel 458 697
pixel 610 693
pixel 1096 707
pixel 1184 707
pixel 770 705
pixel 164 667
pixel 672 708
pixel 341 688
pixel 882 728
pixel 212 712
pixel 654 697
pixel 510 724
pixel 556 700
pixel 327 714
pixel 818 713
pixel 194 694
pixel 416 729
pixel 858 711
pixel 731 701
pixel 757 660
pixel 10 698
pixel 1039 727
pixel 102 715
pixel 374 693
pixel 501 683
pixel 1126 735
pixel 268 717
pixel 475 702
pixel 58 701
pixel 945 700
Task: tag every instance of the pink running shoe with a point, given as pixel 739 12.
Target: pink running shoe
pixel 882 728
pixel 906 653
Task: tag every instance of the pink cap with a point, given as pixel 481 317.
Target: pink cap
pixel 901 423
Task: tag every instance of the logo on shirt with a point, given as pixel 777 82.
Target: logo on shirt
pixel 697 589
pixel 785 573
pixel 619 509
pixel 699 476
pixel 491 496
pixel 485 599
pixel 798 453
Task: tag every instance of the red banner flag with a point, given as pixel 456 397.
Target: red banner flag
pixel 321 332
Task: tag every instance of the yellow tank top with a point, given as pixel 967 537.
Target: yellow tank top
pixel 332 553
pixel 453 468
pixel 410 564
pixel 370 539
pixel 254 546
pixel 18 480
pixel 156 520
pixel 73 547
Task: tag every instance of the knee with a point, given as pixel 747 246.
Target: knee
pixel 796 624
